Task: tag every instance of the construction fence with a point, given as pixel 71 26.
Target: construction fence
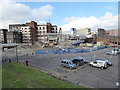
pixel 68 50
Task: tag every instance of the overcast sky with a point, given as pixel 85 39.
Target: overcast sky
pixel 64 14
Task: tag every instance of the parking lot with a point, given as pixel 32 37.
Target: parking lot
pixel 83 75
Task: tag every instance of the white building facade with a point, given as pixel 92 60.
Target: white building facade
pixel 42 32
pixel 26 33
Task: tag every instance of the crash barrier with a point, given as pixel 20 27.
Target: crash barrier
pixel 67 51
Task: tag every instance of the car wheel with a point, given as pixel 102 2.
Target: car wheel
pixel 70 68
pixel 102 67
pixel 91 65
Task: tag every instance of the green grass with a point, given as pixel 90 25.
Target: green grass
pixel 15 75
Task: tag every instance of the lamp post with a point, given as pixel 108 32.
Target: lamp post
pixel 16 53
pixel 16 46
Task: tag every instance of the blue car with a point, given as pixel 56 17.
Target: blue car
pixel 68 64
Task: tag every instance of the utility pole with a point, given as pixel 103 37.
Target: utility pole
pixel 16 46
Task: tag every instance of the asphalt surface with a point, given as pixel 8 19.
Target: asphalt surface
pixel 83 75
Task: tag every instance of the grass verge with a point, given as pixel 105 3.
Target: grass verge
pixel 16 75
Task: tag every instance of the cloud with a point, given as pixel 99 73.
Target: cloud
pixel 108 21
pixel 110 8
pixel 13 12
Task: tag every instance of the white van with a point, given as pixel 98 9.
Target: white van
pixel 98 63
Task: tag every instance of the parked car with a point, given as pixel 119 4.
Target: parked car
pixel 99 63
pixel 68 64
pixel 108 62
pixel 81 60
pixel 113 52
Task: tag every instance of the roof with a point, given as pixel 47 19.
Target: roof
pixel 4 29
pixel 66 60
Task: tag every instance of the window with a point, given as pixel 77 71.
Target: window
pixel 95 62
pixel 110 40
pixel 40 28
pixel 16 27
pixel 43 28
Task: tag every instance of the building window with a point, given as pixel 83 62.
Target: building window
pixel 16 27
pixel 43 28
pixel 110 40
pixel 40 28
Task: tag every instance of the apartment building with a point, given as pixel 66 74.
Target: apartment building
pixel 52 33
pixel 47 32
pixel 15 27
pixel 31 32
pixel 26 33
pixel 42 33
pixel 14 37
pixel 3 35
pixel 33 29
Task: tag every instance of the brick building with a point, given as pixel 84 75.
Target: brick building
pixel 109 39
pixel 31 32
pixel 109 36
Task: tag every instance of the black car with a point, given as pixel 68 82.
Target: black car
pixel 79 61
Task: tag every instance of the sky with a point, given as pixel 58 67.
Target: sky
pixel 66 15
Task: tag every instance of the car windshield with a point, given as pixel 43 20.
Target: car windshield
pixel 101 62
pixel 102 59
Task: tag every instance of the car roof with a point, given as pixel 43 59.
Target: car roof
pixel 66 60
pixel 101 59
pixel 79 58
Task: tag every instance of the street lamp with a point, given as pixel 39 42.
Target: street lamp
pixel 16 36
